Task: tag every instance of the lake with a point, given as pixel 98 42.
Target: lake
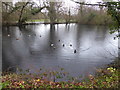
pixel 79 49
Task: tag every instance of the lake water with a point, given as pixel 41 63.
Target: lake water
pixel 41 46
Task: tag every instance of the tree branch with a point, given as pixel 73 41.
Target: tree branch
pixel 83 3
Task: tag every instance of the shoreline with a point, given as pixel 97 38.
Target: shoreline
pixel 37 23
pixel 106 78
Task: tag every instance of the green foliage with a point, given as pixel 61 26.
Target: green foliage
pixel 5 84
pixel 91 16
pixel 106 78
pixel 114 11
pixel 55 13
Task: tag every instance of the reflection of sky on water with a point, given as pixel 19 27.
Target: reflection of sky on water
pixel 32 50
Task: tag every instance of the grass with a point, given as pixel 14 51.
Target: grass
pixel 37 20
pixel 47 20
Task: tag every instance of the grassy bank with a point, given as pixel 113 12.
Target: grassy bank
pixel 105 78
pixel 47 21
pixel 38 21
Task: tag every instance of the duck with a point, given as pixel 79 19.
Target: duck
pixel 59 40
pixel 8 35
pixel 52 45
pixel 28 35
pixel 17 38
pixel 75 51
pixel 70 44
pixel 114 38
pixel 63 45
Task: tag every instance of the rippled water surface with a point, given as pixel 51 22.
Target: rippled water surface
pixel 79 49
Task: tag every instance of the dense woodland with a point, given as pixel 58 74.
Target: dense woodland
pixel 54 12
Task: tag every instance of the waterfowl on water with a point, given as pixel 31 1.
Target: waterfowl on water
pixel 28 35
pixel 8 35
pixel 75 51
pixel 17 38
pixel 52 45
pixel 63 45
pixel 70 44
pixel 59 40
pixel 114 38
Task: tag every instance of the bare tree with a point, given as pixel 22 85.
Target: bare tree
pixel 53 10
pixel 21 20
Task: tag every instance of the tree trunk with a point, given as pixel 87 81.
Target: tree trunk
pixel 21 13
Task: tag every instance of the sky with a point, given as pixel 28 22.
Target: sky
pixel 68 3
